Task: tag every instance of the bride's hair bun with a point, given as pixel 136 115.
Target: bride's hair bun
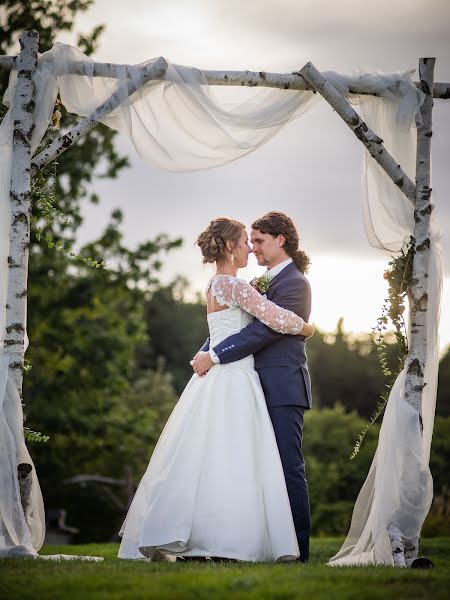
pixel 212 241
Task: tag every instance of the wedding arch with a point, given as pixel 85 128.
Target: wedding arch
pixel 175 123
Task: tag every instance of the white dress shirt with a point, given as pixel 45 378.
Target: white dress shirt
pixel 273 272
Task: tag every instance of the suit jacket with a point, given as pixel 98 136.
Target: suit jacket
pixel 280 360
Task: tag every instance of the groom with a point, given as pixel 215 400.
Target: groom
pixel 280 360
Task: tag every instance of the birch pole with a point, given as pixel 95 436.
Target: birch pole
pixel 417 293
pixel 418 296
pixel 284 81
pixel 19 240
pixel 420 195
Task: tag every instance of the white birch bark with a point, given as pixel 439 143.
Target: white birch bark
pixel 20 206
pixel 371 141
pixel 417 292
pixel 19 240
pixel 288 81
pixel 404 556
pixel 154 71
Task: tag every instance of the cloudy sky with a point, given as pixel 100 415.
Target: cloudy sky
pixel 312 169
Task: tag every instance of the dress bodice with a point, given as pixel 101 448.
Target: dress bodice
pixel 224 323
pixel 244 302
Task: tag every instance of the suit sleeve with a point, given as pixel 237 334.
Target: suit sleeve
pixel 293 296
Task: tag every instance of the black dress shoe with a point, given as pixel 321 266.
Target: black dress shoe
pixel 302 559
pixel 222 559
pixel 422 563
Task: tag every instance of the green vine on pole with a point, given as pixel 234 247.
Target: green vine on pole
pixel 45 197
pixel 34 436
pixel 44 194
pixel 398 276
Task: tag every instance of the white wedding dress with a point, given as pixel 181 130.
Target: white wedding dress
pixel 215 484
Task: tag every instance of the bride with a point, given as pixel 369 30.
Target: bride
pixel 215 485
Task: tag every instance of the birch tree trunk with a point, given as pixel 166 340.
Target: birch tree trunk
pixel 418 296
pixel 19 241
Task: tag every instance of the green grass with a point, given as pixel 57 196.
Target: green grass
pixel 120 579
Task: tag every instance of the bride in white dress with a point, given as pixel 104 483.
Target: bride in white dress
pixel 215 485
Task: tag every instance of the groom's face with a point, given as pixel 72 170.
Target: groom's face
pixel 267 249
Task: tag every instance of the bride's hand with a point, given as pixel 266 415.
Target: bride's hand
pixel 202 363
pixel 307 330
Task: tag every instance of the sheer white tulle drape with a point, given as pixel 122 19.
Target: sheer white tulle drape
pixel 179 124
pixel 19 534
pixel 398 491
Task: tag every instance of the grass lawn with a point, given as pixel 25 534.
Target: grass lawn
pixel 122 579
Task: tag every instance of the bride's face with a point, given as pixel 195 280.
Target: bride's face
pixel 241 251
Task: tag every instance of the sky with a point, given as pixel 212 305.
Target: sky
pixel 312 169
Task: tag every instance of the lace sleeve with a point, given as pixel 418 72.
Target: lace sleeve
pixel 235 292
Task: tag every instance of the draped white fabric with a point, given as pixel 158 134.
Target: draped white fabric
pixel 398 491
pixel 18 534
pixel 179 124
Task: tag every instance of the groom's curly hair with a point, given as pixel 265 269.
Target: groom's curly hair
pixel 277 223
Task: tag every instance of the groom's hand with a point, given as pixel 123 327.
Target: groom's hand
pixel 201 363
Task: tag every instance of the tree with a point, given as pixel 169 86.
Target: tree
pixel 176 330
pixel 443 394
pixel 94 155
pixel 352 376
pixel 84 324
pixel 84 389
pixel 334 480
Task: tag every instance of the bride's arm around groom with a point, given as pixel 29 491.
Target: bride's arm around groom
pixel 291 292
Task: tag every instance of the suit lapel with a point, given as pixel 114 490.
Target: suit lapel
pixel 280 275
pixel 276 280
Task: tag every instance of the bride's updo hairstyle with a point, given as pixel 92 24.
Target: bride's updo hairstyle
pixel 212 241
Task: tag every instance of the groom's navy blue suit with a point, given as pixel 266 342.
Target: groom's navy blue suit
pixel 280 361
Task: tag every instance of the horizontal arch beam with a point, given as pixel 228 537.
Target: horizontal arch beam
pixel 286 81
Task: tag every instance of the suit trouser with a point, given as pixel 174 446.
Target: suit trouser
pixel 287 423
